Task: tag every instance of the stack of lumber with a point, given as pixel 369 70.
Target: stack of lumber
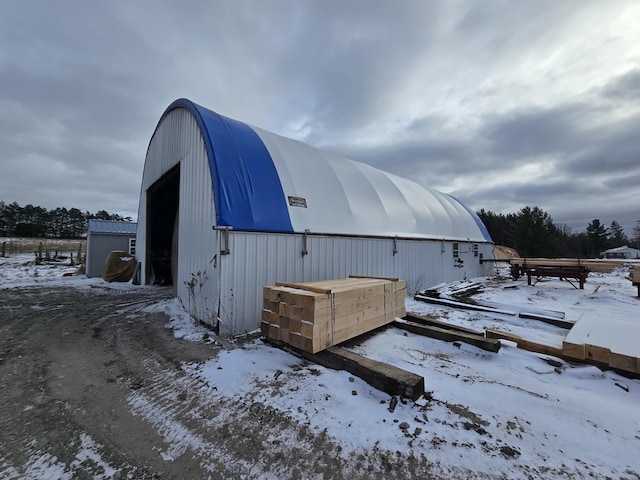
pixel 609 342
pixel 594 265
pixel 313 316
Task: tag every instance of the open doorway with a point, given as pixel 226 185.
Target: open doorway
pixel 162 229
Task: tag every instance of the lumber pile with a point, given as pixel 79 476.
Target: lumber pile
pixel 313 316
pixel 593 265
pixel 606 342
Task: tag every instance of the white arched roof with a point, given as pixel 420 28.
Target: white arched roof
pixel 348 197
pixel 266 182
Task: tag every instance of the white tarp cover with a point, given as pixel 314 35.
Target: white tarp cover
pixel 343 196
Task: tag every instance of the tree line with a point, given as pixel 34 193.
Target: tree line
pixel 34 221
pixel 532 233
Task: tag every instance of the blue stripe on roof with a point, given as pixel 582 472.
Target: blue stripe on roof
pixel 476 218
pixel 246 186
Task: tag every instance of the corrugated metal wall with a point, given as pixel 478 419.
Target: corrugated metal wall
pixel 178 140
pixel 259 259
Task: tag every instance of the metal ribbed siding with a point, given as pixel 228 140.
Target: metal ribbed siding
pixel 177 139
pixel 259 259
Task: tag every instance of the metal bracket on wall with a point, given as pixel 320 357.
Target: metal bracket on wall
pixel 304 243
pixel 225 240
pixel 395 246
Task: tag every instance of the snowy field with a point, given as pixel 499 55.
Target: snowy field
pixel 511 414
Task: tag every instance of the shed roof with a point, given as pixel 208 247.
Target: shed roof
pixel 112 226
pixel 266 182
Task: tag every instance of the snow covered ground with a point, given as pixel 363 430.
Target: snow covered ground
pixel 511 414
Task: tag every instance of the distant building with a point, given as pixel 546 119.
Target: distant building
pixel 106 236
pixel 624 252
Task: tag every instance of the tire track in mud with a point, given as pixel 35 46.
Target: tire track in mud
pixel 68 358
pixel 244 438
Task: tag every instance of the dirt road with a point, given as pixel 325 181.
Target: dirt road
pixel 68 360
pixel 93 385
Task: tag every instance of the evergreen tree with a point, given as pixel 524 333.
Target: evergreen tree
pixel 102 215
pixel 534 233
pixel 598 236
pixel 636 235
pixel 617 237
pixel 35 221
pixel 498 227
pixel 3 221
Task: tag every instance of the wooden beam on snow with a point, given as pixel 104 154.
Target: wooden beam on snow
pixel 414 317
pixel 497 308
pixel 448 335
pixel 524 344
pixel 382 376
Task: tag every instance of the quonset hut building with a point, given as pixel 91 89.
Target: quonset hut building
pixel 227 208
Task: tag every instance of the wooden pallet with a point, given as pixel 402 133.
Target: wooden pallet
pixel 312 316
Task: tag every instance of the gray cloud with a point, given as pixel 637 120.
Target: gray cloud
pixel 533 132
pixel 624 87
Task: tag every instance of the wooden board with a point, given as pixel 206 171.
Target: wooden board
pixel 625 363
pixel 574 351
pixel 413 317
pixel 524 344
pixel 446 335
pixel 596 354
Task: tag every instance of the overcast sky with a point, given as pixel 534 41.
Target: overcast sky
pixel 502 104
